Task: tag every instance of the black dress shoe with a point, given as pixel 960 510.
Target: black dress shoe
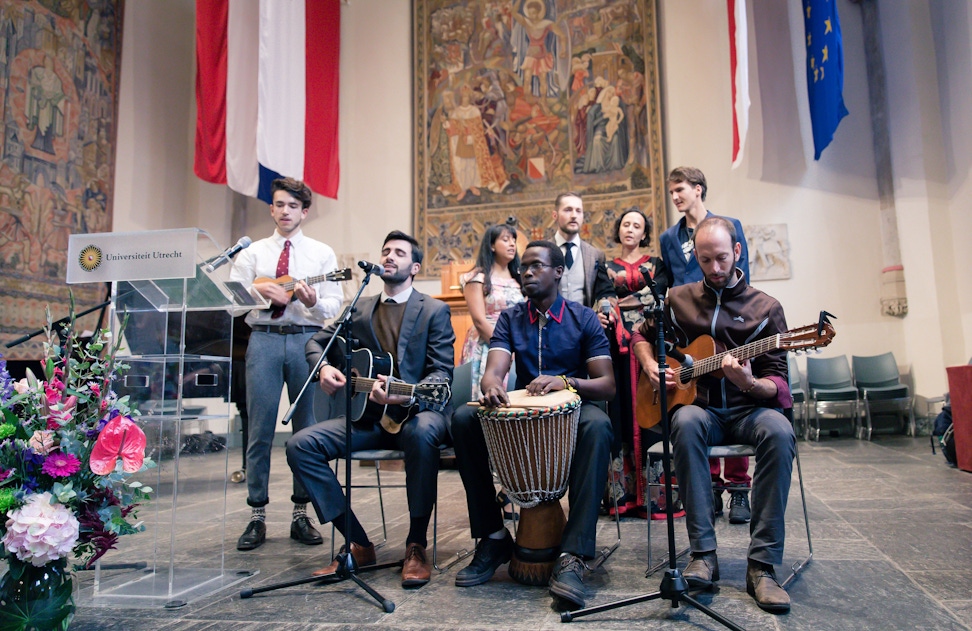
pixel 490 554
pixel 253 537
pixel 302 531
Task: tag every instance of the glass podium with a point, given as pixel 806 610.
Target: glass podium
pixel 177 341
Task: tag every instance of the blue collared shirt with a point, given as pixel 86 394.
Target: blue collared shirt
pixel 571 338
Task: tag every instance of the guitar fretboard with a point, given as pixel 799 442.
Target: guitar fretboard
pixel 312 280
pixel 365 384
pixel 711 364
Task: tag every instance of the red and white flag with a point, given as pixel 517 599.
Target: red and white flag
pixel 739 67
pixel 267 93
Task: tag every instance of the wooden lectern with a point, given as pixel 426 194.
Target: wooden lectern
pixel 452 296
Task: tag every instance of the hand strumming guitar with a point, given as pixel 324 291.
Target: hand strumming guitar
pixel 331 379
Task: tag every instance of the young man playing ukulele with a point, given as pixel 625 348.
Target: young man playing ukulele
pixel 744 406
pixel 276 350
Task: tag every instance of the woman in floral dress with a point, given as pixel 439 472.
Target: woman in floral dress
pixel 492 286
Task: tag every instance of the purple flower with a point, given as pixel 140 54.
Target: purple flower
pixel 6 381
pixel 61 465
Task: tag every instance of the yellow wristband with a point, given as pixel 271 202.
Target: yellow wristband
pixel 567 385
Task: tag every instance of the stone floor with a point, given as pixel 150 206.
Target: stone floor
pixel 891 526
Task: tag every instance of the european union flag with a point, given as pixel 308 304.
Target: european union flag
pixel 825 71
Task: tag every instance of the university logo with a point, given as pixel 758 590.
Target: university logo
pixel 90 258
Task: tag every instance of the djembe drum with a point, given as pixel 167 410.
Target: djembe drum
pixel 531 447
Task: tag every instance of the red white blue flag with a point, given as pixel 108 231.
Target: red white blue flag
pixel 739 67
pixel 267 93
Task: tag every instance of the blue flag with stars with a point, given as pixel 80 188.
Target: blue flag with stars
pixel 825 71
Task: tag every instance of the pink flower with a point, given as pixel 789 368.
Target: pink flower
pixel 61 465
pixel 95 389
pixel 61 413
pixel 42 441
pixel 21 386
pixel 40 532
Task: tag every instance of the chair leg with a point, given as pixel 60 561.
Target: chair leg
pixel 462 554
pixel 607 552
pixel 664 562
pixel 797 566
pixel 381 505
pixel 865 432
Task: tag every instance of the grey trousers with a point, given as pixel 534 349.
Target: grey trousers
pixel 694 429
pixel 588 475
pixel 272 359
pixel 310 451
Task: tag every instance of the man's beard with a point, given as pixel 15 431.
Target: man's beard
pixel 397 277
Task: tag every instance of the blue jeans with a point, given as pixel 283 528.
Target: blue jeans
pixel 694 429
pixel 271 360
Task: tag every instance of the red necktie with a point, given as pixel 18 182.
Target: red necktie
pixel 283 267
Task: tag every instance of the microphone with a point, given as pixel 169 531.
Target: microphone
pixel 228 254
pixel 677 355
pixel 370 268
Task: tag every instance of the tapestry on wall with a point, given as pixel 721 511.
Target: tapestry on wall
pixel 59 69
pixel 517 101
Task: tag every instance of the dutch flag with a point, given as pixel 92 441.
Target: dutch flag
pixel 267 93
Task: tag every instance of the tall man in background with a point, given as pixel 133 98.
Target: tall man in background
pixel 275 354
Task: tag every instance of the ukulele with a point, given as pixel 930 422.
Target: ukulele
pixel 288 283
pixel 704 355
pixel 365 367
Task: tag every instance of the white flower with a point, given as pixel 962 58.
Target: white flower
pixel 40 532
pixel 21 386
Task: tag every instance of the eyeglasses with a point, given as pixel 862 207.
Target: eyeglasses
pixel 533 267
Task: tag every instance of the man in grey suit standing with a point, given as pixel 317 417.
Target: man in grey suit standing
pixel 585 278
pixel 417 331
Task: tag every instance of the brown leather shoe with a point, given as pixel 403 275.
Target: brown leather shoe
pixel 702 570
pixel 416 570
pixel 762 586
pixel 363 555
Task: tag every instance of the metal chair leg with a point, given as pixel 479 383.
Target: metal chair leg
pixel 797 566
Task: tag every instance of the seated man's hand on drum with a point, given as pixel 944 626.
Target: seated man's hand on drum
pixel 494 397
pixel 545 384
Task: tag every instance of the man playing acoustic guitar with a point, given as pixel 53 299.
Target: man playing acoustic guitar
pixel 276 350
pixel 416 331
pixel 744 402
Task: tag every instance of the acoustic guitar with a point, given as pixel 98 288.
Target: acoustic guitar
pixel 365 367
pixel 704 356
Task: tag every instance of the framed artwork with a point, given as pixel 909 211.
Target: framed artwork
pixel 769 251
pixel 59 74
pixel 517 101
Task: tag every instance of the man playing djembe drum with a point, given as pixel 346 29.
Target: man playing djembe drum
pixel 558 345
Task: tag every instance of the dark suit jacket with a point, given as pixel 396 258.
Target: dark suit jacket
pixel 597 284
pixel 425 343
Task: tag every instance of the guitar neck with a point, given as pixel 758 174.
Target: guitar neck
pixel 365 384
pixel 742 353
pixel 289 285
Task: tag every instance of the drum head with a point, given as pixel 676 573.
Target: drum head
pixel 523 399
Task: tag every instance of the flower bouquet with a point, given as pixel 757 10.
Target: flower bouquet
pixel 68 448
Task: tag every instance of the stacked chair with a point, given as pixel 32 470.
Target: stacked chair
pixel 881 390
pixel 874 387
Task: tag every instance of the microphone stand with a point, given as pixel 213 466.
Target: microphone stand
pixel 673 586
pixel 347 566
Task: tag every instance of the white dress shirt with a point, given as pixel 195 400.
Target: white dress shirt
pixel 308 257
